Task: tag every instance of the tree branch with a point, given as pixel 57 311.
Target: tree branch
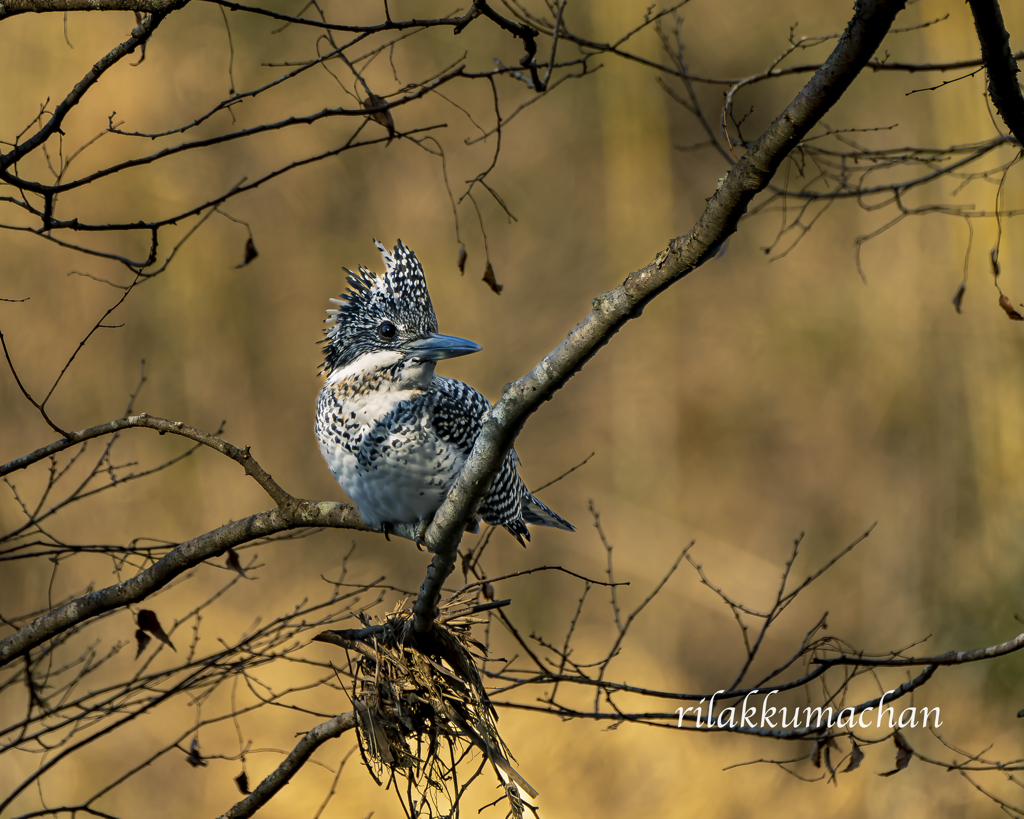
pixel 299 514
pixel 8 8
pixel 1000 64
pixel 949 658
pixel 291 513
pixel 162 425
pixel 140 34
pixel 871 21
pixel 282 775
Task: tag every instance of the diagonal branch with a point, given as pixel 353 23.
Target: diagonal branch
pixel 871 21
pixel 282 775
pixel 1000 64
pixel 140 34
pixel 299 514
pixel 291 513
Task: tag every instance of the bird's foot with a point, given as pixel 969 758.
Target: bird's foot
pixel 421 534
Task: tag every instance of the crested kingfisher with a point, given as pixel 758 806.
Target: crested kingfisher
pixel 394 434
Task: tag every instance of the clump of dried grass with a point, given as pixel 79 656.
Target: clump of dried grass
pixel 422 705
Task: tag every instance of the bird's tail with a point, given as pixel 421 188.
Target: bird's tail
pixel 537 514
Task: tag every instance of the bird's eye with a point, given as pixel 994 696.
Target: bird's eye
pixel 387 330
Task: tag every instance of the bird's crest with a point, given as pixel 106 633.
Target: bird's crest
pixel 399 296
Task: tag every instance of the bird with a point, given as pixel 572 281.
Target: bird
pixel 395 435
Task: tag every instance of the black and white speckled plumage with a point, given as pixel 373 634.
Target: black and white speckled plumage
pixel 399 296
pixel 394 434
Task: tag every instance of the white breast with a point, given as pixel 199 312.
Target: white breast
pixel 402 478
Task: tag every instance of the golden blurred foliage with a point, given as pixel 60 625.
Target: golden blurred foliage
pixel 773 392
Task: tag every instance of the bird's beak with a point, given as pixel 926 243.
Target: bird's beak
pixel 435 347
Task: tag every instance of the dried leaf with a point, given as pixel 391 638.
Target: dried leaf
pixel 856 757
pixel 958 299
pixel 488 591
pixel 194 758
pixel 382 117
pixel 995 262
pixel 1009 309
pixel 139 17
pixel 904 753
pixel 142 640
pixel 491 281
pixel 235 563
pixel 250 253
pixel 462 260
pixel 823 744
pixel 148 621
pixel 243 783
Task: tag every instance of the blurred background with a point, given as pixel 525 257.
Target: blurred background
pixel 767 395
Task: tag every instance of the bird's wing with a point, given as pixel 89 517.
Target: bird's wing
pixel 458 416
pixel 458 410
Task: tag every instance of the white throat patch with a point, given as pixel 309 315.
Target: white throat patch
pixel 365 365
